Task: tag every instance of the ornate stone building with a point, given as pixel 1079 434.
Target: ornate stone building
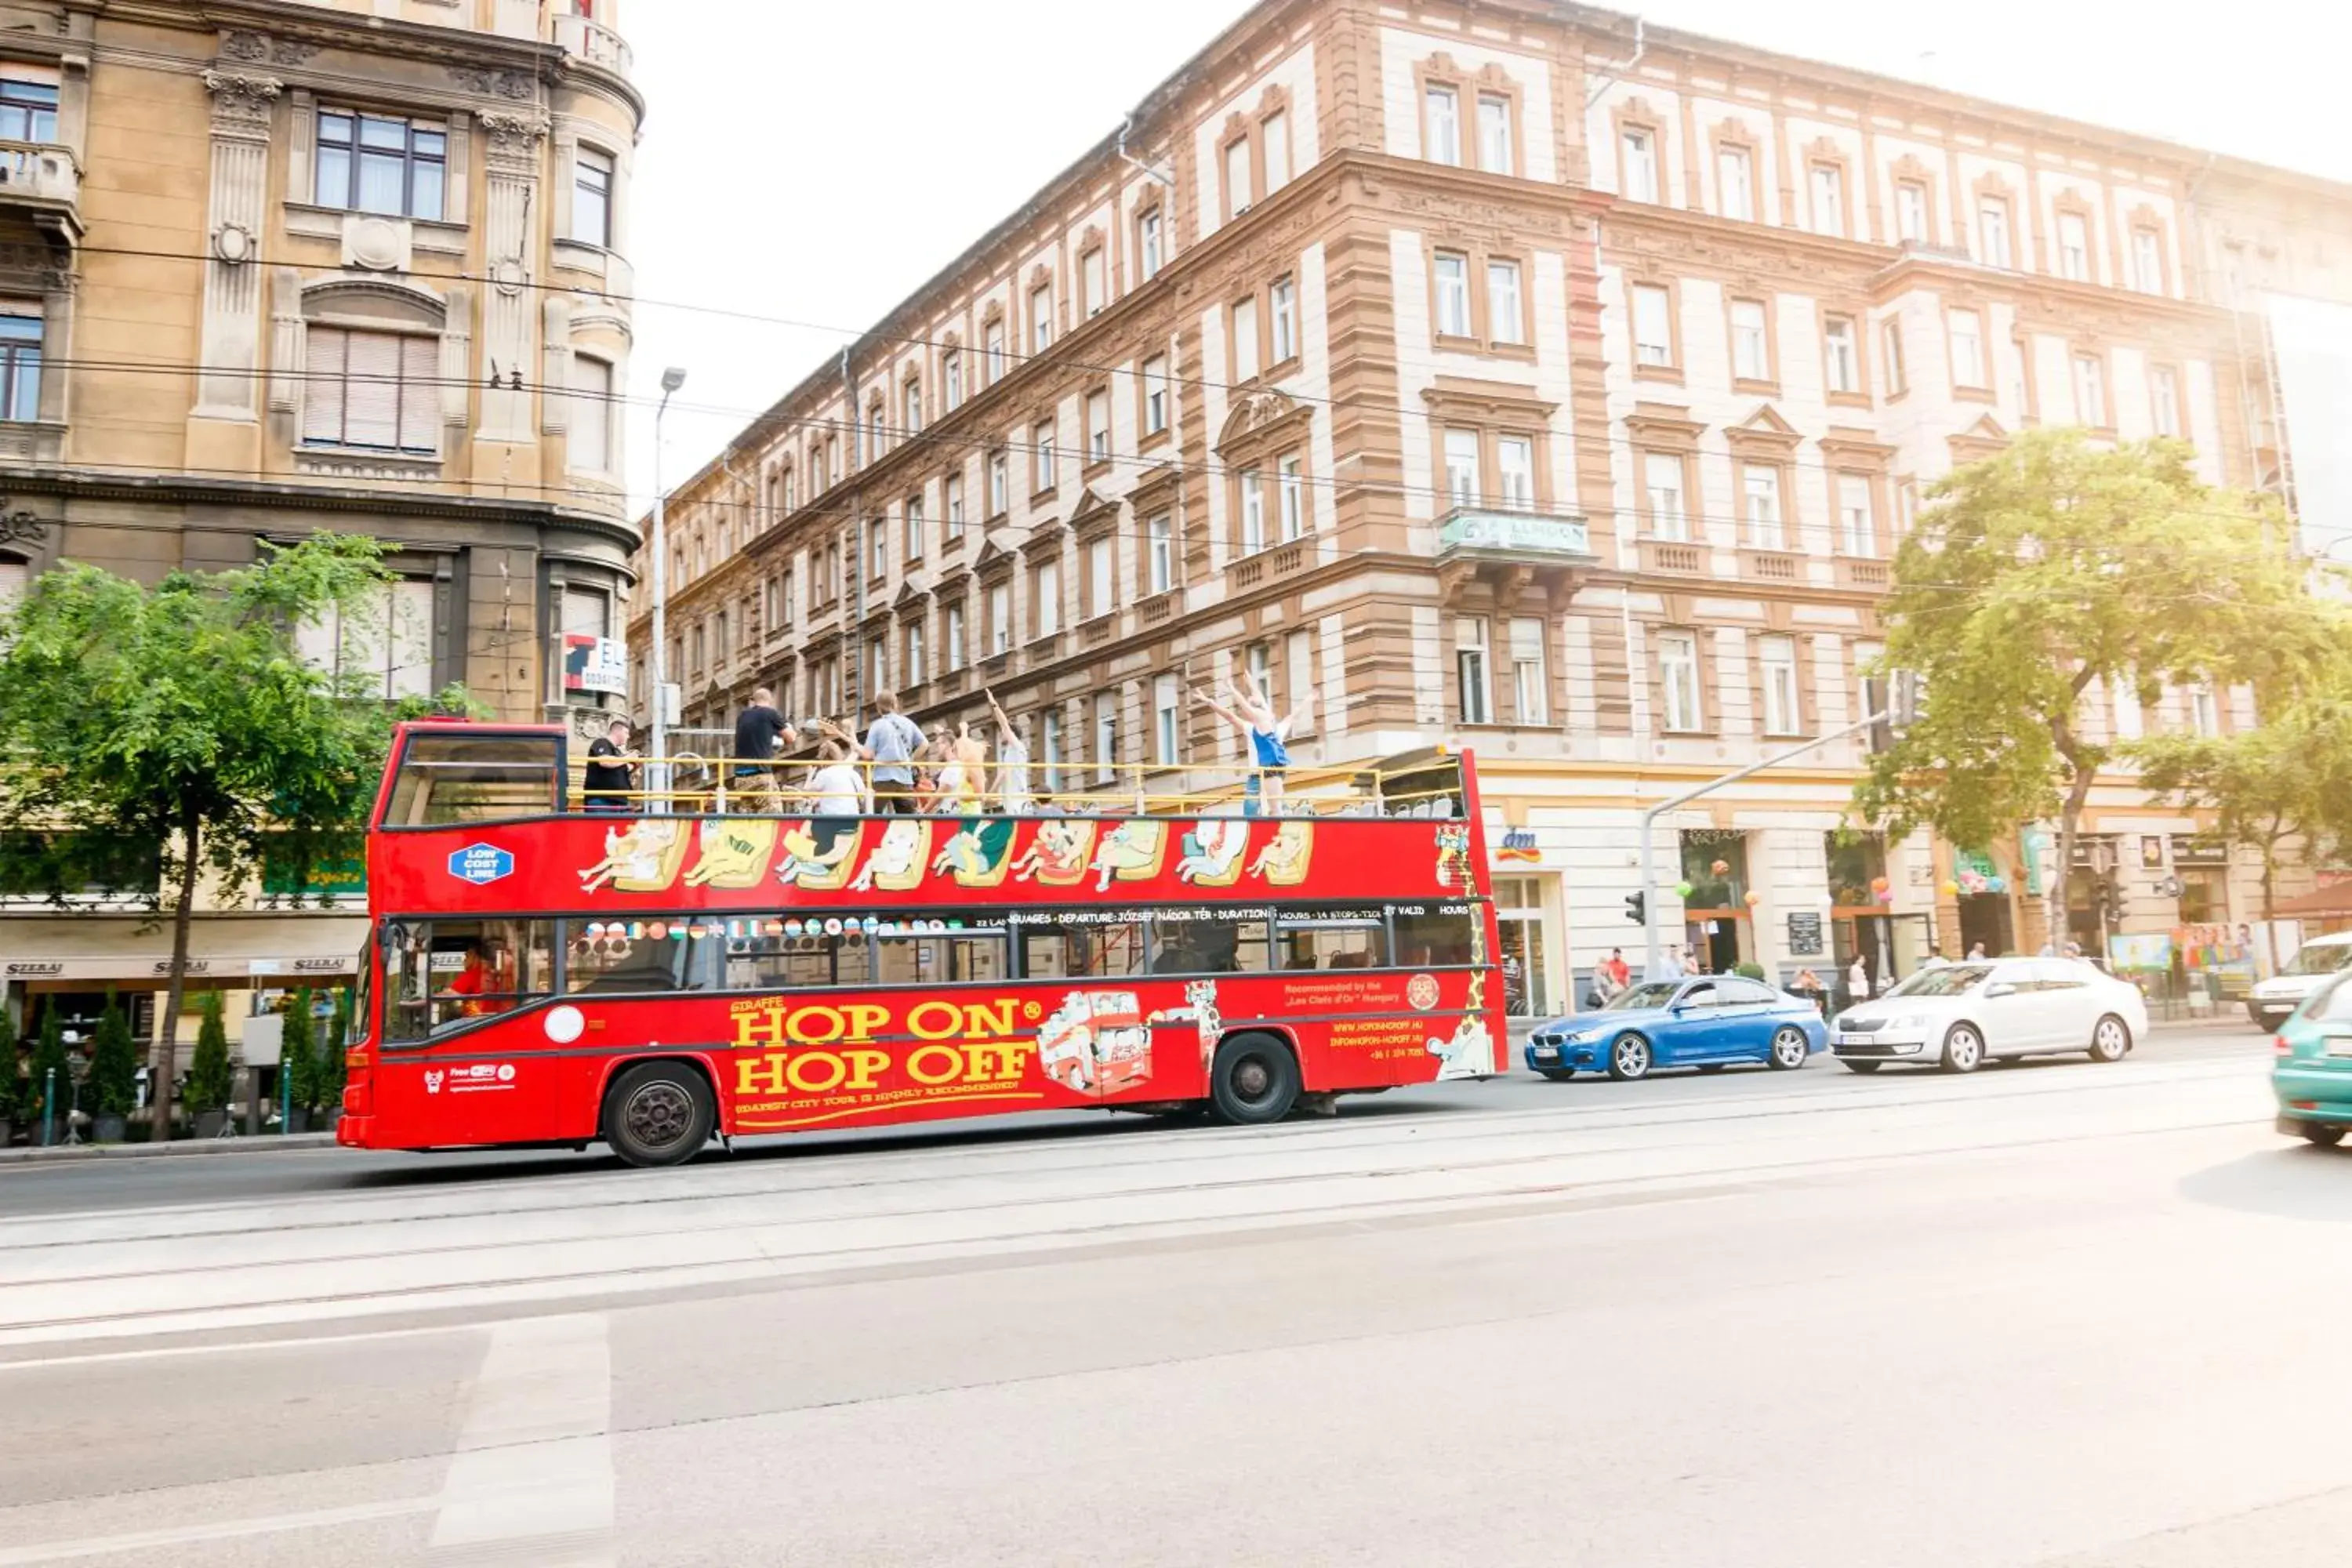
pixel 1510 373
pixel 268 268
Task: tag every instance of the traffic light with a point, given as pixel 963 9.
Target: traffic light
pixel 1637 907
pixel 2111 901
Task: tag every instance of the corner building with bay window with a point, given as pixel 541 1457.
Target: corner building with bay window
pixel 1504 375
pixel 268 269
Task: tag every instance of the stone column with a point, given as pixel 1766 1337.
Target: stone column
pixel 242 106
pixel 512 145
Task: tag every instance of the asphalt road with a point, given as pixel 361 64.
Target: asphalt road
pixel 2060 1317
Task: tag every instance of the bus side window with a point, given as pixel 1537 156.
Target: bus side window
pixel 474 778
pixel 1332 939
pixel 918 958
pixel 1206 941
pixel 1093 949
pixel 796 955
pixel 441 974
pixel 1433 938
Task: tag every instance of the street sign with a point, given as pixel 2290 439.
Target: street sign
pixel 480 864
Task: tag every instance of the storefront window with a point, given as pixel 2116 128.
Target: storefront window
pixel 1527 983
pixel 1856 862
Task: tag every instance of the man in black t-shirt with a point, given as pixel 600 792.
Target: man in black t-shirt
pixel 609 777
pixel 759 732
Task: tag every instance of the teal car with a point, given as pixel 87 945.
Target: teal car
pixel 2312 1075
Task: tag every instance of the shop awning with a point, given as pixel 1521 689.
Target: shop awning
pixel 2320 902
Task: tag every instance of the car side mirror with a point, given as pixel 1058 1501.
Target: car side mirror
pixel 2000 989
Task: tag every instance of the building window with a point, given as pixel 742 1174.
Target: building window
pixel 1844 364
pixel 1890 344
pixel 792 492
pixel 914 528
pixel 2090 391
pixel 1829 199
pixel 2164 399
pixel 1049 748
pixel 1735 184
pixel 1252 509
pixel 592 198
pixel 1452 295
pixel 1041 318
pixel 1641 150
pixel 1245 339
pixel 2073 248
pixel 1099 593
pixel 1783 712
pixel 1515 471
pixel 1992 231
pixel 28 111
pixel 1461 467
pixel 1662 480
pixel 1239 196
pixel 591 414
pixel 1147 234
pixel 954 488
pixel 1106 737
pixel 1045 589
pixel 1751 344
pixel 999 619
pixel 1967 349
pixel 1285 320
pixel 1911 211
pixel 1442 108
pixel 1099 427
pixel 1470 670
pixel 387 643
pixel 878 541
pixel 1529 682
pixel 1290 489
pixel 953 631
pixel 915 672
pixel 1857 525
pixel 1091 299
pixel 1654 335
pixel 371 389
pixel 911 408
pixel 1678 674
pixel 1273 135
pixel 992 353
pixel 370 164
pixel 1760 490
pixel 1260 659
pixel 1166 715
pixel 2204 711
pixel 1298 666
pixel 951 372
pixel 999 483
pixel 1161 541
pixel 1506 318
pixel 1495 133
pixel 2148 261
pixel 1041 457
pixel 1155 397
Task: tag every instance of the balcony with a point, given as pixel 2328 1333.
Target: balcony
pixel 1758 564
pixel 1863 574
pixel 43 181
pixel 1510 551
pixel 587 39
pixel 1674 557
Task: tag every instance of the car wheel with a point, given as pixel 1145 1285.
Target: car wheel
pixel 1556 1074
pixel 1629 1057
pixel 1963 1048
pixel 659 1113
pixel 1255 1080
pixel 2322 1134
pixel 2110 1038
pixel 1789 1048
pixel 1852 1066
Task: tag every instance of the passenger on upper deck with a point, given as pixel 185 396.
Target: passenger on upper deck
pixel 609 782
pixel 1251 712
pixel 891 742
pixel 760 731
pixel 1011 762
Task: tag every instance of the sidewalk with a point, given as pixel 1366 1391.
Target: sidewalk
pixel 178 1148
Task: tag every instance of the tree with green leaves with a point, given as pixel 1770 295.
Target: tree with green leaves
pixel 52 1071
pixel 212 1078
pixel 332 1067
pixel 182 717
pixel 113 1062
pixel 298 1053
pixel 2050 568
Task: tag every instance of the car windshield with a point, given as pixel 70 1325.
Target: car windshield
pixel 2319 958
pixel 1949 980
pixel 1655 994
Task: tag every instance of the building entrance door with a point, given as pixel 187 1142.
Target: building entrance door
pixel 1519 924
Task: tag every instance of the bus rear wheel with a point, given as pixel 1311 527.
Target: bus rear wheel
pixel 1254 1080
pixel 659 1113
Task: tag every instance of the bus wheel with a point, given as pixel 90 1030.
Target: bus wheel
pixel 659 1113
pixel 1254 1079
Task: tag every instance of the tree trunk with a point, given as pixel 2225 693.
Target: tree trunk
pixel 2070 816
pixel 2270 901
pixel 167 1043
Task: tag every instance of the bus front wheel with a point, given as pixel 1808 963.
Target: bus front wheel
pixel 1254 1079
pixel 659 1113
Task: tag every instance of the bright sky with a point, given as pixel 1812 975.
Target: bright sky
pixel 813 163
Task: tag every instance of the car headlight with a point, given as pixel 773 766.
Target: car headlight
pixel 1910 1021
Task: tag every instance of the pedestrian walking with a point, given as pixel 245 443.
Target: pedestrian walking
pixel 1616 971
pixel 760 731
pixel 1857 979
pixel 891 742
pixel 610 780
pixel 1977 952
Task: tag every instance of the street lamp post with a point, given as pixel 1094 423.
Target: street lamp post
pixel 671 380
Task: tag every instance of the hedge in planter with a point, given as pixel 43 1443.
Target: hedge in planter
pixel 50 1058
pixel 113 1072
pixel 211 1078
pixel 298 1061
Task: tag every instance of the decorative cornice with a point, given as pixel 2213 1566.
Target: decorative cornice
pixel 241 102
pixel 512 140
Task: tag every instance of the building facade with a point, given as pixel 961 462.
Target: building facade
pixel 268 269
pixel 1513 373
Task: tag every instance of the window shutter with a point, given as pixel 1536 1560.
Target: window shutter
pixel 372 390
pixel 420 402
pixel 322 405
pixel 592 416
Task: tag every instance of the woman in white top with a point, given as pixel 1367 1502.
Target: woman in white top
pixel 840 795
pixel 1012 763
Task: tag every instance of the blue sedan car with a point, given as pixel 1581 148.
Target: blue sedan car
pixel 1707 1021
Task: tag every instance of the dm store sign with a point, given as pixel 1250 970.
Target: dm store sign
pixel 480 864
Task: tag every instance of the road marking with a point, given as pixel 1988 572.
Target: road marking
pixel 223 1530
pixel 236 1347
pixel 532 1477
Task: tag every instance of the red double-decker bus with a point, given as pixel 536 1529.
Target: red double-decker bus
pixel 543 974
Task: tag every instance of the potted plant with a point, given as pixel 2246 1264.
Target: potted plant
pixel 113 1073
pixel 1750 970
pixel 211 1078
pixel 52 1072
pixel 298 1059
pixel 332 1067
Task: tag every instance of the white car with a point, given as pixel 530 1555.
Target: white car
pixel 1956 1015
pixel 2269 1002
